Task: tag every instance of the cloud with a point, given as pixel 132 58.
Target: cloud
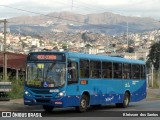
pixel 144 8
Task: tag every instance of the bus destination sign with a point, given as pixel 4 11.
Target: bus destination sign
pixel 46 57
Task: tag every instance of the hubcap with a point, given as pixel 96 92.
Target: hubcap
pixel 126 100
pixel 83 103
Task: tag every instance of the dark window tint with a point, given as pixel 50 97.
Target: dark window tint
pixel 84 68
pixel 143 72
pixel 95 69
pixel 126 71
pixel 106 70
pixel 117 70
pixel 72 72
pixel 136 71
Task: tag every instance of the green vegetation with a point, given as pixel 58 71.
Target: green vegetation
pixel 154 59
pixel 155 78
pixel 141 58
pixel 154 56
pixel 17 89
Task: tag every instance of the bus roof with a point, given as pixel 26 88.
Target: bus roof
pixel 104 58
pixel 97 57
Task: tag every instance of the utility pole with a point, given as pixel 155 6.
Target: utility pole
pixel 72 5
pixel 4 51
pixel 152 75
pixel 159 71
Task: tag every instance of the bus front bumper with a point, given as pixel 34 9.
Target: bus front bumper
pixel 43 101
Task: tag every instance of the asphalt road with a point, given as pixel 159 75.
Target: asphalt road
pixel 97 113
pixel 151 104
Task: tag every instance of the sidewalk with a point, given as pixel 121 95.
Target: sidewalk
pixel 16 101
pixel 153 94
pixel 16 105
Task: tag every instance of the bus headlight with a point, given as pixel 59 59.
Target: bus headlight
pixel 27 93
pixel 61 94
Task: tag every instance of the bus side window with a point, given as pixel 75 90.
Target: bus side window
pixel 135 71
pixel 84 68
pixel 117 70
pixel 106 69
pixel 72 73
pixel 95 69
pixel 126 71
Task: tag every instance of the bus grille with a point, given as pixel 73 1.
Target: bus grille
pixel 41 91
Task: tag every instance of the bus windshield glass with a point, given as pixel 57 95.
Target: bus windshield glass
pixel 45 74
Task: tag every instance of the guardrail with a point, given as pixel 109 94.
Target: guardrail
pixel 5 87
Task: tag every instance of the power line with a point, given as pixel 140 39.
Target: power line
pixel 40 14
pixel 54 16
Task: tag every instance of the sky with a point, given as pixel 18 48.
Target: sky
pixel 138 8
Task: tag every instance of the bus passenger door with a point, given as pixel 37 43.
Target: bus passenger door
pixel 72 84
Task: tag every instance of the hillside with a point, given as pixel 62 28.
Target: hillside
pixel 108 23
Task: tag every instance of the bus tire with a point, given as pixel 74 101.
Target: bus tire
pixel 83 104
pixel 48 108
pixel 126 101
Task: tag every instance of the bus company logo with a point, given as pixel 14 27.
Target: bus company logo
pixel 127 85
pixel 6 114
pixel 45 84
pixel 109 99
pixel 134 82
pixel 19 114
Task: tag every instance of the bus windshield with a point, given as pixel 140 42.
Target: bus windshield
pixel 45 74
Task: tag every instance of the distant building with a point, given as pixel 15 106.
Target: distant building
pixel 130 55
pixel 140 54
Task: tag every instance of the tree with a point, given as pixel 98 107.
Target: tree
pixel 141 58
pixel 154 58
pixel 130 42
pixel 130 50
pixel 41 42
pixel 64 47
pixel 154 55
pixel 24 44
pixel 84 37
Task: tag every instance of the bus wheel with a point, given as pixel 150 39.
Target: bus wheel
pixel 48 108
pixel 126 101
pixel 83 104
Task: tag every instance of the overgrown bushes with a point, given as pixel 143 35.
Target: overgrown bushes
pixel 155 80
pixel 17 89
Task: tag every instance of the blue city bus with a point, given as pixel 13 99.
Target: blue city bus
pixel 70 79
